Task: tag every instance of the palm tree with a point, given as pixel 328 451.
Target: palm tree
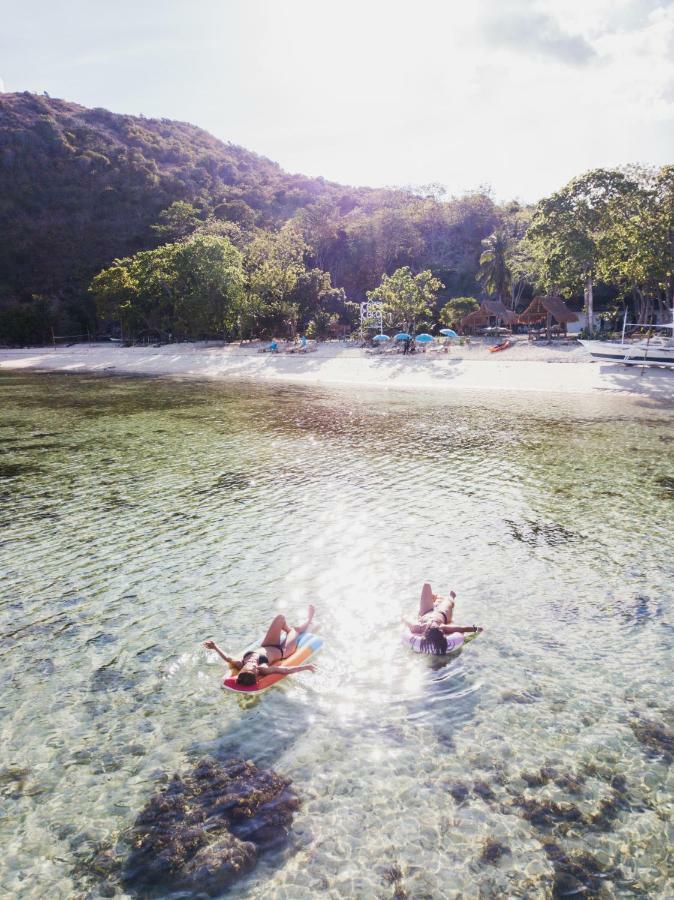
pixel 494 274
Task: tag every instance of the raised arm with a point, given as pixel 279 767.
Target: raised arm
pixel 415 628
pixel 211 645
pixel 460 629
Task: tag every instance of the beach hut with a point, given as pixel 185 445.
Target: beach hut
pixel 477 319
pixel 499 311
pixel 489 309
pixel 545 309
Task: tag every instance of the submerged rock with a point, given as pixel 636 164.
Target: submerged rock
pixel 482 789
pixel 571 783
pixel 13 781
pixel 207 828
pixel 577 873
pixel 493 850
pixel 459 792
pixel 656 739
pixel 540 778
pixel 393 873
pixel 522 697
pixel 546 813
pixel 667 485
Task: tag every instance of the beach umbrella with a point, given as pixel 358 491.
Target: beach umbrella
pixel 381 337
pixel 423 338
pixel 402 336
pixel 447 332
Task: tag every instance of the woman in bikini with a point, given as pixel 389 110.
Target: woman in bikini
pixel 434 621
pixel 279 643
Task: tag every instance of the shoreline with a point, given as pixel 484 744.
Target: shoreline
pixel 565 369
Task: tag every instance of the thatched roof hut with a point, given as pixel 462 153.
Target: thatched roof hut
pixel 476 319
pixel 496 308
pixel 489 309
pixel 541 307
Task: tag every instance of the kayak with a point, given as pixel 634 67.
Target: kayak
pixel 502 346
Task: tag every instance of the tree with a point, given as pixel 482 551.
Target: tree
pixel 456 309
pixel 406 298
pixel 188 288
pixel 638 244
pixel 494 273
pixel 210 282
pixel 176 222
pixel 274 263
pixel 566 231
pixel 315 296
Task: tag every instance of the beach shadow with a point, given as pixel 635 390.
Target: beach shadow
pixel 653 386
pixel 399 364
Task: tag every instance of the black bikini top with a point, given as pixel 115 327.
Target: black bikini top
pixel 434 612
pixel 262 658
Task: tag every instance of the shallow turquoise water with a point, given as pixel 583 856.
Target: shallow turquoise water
pixel 139 516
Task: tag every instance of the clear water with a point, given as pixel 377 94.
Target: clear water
pixel 139 517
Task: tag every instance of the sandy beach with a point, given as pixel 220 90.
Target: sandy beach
pixel 525 366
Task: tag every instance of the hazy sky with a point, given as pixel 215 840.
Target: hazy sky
pixel 516 94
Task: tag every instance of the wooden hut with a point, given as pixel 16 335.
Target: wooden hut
pixel 545 310
pixel 477 319
pixel 497 309
pixel 489 309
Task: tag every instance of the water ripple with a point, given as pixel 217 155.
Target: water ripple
pixel 139 517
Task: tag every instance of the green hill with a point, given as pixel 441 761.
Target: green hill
pixel 80 187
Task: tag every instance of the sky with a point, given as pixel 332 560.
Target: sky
pixel 516 95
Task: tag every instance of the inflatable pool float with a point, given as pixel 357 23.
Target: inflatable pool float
pixel 307 645
pixel 454 642
pixel 502 346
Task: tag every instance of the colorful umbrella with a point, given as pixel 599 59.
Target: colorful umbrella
pixel 423 338
pixel 381 337
pixel 447 332
pixel 403 336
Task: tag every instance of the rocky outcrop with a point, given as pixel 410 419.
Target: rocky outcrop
pixel 207 827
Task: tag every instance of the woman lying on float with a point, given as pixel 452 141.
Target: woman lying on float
pixel 433 625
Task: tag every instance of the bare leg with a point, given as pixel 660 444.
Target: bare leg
pixel 426 600
pixel 275 630
pixel 295 632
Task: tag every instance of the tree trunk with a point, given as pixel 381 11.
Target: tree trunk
pixel 589 304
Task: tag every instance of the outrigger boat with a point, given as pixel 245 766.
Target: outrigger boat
pixel 649 351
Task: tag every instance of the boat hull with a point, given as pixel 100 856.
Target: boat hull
pixel 641 354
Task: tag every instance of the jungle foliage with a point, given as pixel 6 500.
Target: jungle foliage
pixel 157 226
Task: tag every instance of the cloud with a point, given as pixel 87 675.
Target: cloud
pixel 538 34
pixel 2 86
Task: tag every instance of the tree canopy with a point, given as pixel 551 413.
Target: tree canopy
pixel 406 298
pixel 187 289
pixel 147 207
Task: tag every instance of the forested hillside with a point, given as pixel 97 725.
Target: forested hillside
pixel 80 187
pixel 114 223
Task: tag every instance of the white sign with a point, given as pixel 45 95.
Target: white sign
pixel 371 309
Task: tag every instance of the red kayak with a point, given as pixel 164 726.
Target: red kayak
pixel 502 346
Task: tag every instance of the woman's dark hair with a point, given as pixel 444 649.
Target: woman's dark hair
pixel 433 641
pixel 246 678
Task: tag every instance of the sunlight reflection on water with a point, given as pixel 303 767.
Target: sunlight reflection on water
pixel 151 514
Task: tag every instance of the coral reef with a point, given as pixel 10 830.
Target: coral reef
pixel 207 827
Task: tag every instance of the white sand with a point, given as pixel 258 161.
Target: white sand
pixel 525 366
